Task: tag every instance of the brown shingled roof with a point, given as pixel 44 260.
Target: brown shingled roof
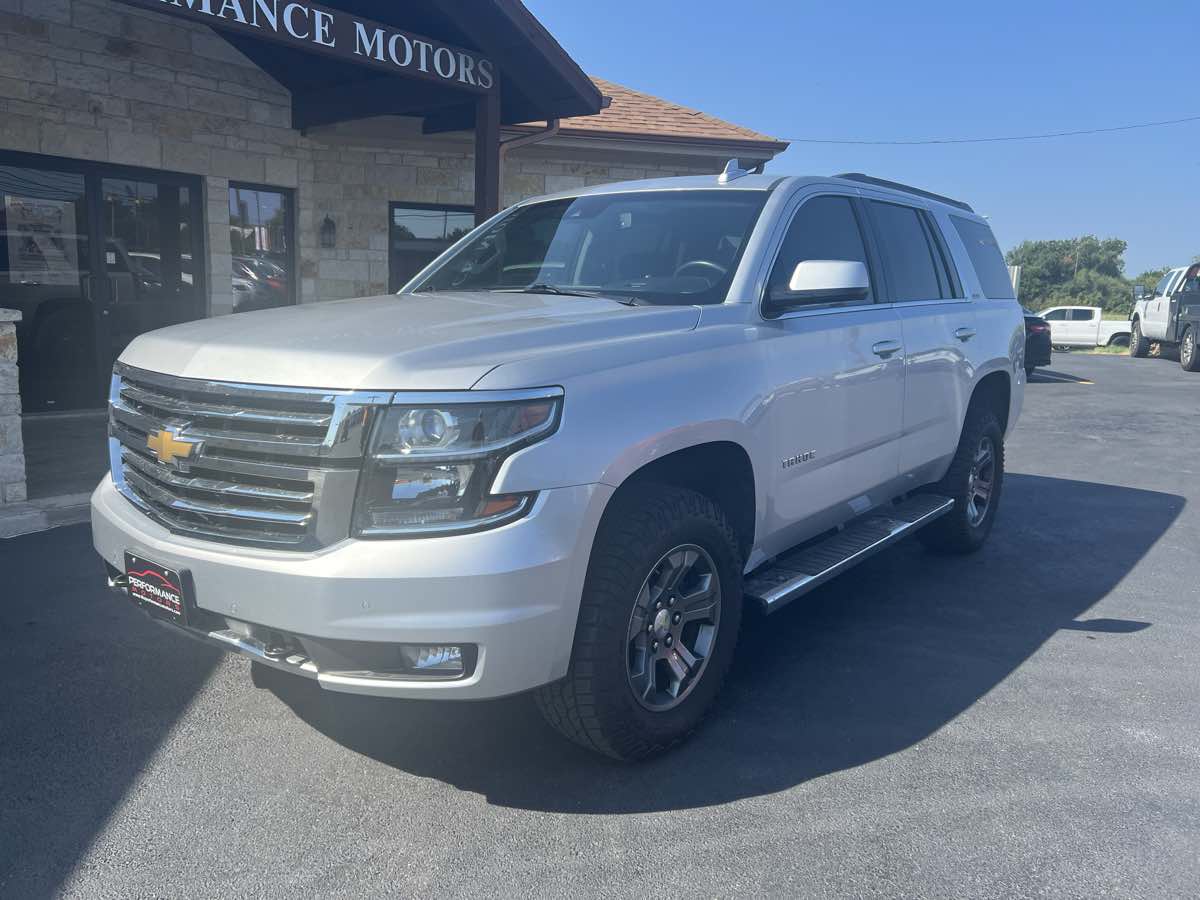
pixel 640 116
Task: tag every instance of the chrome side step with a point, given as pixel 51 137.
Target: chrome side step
pixel 799 571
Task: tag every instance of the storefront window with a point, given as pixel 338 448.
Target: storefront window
pixel 419 233
pixel 260 234
pixel 44 274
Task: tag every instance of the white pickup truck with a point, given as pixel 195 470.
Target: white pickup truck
pixel 1085 326
pixel 563 457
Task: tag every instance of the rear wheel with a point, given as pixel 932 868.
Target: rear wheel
pixel 1138 345
pixel 1189 359
pixel 658 622
pixel 974 481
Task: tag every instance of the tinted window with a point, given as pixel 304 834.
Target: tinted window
pixel 1161 288
pixel 824 228
pixel 1056 315
pixel 907 256
pixel 947 274
pixel 1082 315
pixel 986 258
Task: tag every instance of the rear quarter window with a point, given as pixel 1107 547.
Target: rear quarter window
pixel 986 258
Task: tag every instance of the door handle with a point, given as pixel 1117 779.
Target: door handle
pixel 964 334
pixel 884 349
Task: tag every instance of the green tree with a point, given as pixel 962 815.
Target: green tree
pixel 1087 270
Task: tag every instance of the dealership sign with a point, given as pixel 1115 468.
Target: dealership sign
pixel 333 32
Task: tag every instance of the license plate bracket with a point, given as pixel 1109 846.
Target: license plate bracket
pixel 159 590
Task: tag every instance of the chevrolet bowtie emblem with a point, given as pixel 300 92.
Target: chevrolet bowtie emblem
pixel 169 447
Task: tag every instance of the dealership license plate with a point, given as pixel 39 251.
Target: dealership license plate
pixel 156 589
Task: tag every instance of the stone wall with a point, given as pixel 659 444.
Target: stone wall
pixel 98 80
pixel 12 455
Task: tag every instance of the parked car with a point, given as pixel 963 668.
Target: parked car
pixel 1085 326
pixel 1170 316
pixel 702 392
pixel 1037 341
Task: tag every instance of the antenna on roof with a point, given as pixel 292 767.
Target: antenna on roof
pixel 733 171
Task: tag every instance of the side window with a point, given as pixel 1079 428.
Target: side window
pixel 907 256
pixel 943 262
pixel 823 228
pixel 1161 288
pixel 1172 279
pixel 1082 315
pixel 1055 315
pixel 986 258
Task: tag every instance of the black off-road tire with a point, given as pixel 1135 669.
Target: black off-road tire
pixel 1189 357
pixel 955 532
pixel 1029 370
pixel 1139 347
pixel 595 705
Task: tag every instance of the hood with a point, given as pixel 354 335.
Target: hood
pixel 434 341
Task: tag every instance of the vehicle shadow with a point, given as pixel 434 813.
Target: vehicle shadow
pixel 86 701
pixel 872 663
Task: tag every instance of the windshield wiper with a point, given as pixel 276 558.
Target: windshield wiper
pixel 542 287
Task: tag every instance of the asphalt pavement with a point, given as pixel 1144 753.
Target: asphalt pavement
pixel 1023 722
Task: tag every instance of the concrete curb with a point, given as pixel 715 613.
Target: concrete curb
pixel 42 514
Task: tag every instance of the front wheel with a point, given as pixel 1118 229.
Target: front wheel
pixel 1138 345
pixel 658 622
pixel 974 481
pixel 1189 359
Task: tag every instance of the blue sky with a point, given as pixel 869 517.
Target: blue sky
pixel 916 70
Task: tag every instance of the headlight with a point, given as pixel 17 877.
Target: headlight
pixel 430 466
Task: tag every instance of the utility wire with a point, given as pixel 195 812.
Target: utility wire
pixel 995 140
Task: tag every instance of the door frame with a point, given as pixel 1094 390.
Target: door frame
pixel 97 291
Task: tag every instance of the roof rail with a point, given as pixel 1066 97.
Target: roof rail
pixel 907 188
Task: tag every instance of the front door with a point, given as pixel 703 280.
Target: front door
pixel 837 374
pixel 1158 307
pixel 92 256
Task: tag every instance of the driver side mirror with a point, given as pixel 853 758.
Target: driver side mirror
pixel 822 281
pixel 1140 292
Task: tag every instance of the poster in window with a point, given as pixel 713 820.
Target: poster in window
pixel 42 245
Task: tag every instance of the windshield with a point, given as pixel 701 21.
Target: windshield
pixel 653 247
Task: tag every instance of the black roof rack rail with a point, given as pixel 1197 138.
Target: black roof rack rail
pixel 908 188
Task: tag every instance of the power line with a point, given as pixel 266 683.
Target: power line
pixel 995 140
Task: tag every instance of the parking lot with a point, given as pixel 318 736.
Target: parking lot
pixel 1022 722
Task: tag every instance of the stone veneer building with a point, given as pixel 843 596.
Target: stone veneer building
pixel 153 170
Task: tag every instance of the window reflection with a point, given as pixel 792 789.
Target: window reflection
pixel 259 235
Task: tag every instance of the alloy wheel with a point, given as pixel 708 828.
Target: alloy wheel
pixel 673 627
pixel 981 482
pixel 1189 347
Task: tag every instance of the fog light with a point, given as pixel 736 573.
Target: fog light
pixel 440 659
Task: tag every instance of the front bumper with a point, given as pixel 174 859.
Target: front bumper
pixel 512 594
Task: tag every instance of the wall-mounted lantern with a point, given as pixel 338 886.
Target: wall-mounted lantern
pixel 328 234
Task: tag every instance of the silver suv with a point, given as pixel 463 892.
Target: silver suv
pixel 565 456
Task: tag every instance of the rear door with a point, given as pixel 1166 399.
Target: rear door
pixel 937 322
pixel 836 381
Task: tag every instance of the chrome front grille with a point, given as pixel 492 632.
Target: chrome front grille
pixel 267 466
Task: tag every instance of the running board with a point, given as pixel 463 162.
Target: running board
pixel 799 571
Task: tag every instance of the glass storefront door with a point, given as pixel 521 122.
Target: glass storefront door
pixel 92 256
pixel 148 259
